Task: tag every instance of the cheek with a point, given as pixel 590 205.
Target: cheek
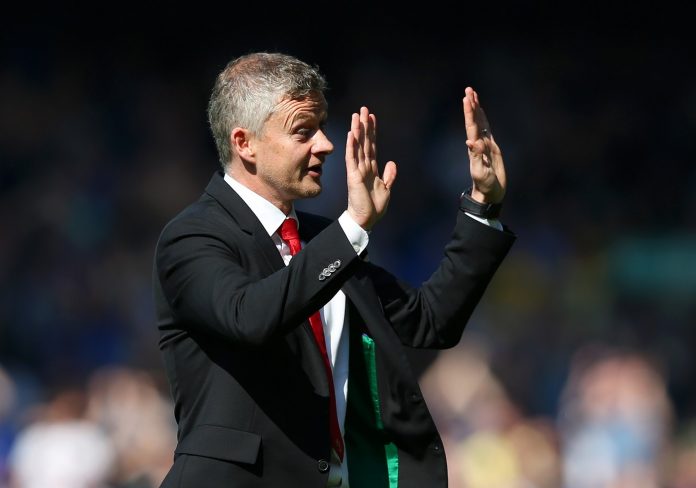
pixel 283 160
pixel 278 153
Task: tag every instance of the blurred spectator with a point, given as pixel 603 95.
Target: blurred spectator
pixel 139 421
pixel 488 442
pixel 61 449
pixel 615 421
pixel 119 434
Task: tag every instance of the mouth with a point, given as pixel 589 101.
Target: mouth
pixel 315 171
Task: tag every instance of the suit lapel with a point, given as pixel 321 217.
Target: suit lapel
pixel 301 340
pixel 359 290
pixel 246 219
pixel 313 362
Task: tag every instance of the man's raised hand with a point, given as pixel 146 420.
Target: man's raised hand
pixel 368 194
pixel 485 159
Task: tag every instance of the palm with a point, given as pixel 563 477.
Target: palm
pixel 368 194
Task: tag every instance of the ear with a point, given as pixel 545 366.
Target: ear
pixel 242 142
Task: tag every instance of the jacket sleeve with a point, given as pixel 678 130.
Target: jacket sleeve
pixel 434 315
pixel 206 286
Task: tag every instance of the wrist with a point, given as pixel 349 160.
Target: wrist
pixel 360 219
pixel 478 196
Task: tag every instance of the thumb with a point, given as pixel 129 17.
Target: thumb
pixel 389 174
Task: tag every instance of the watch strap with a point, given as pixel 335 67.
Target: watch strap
pixel 484 210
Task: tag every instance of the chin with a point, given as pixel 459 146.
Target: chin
pixel 311 193
pixel 310 189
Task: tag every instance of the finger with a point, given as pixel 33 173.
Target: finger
pixel 364 128
pixel 469 119
pixel 372 141
pixel 471 94
pixel 477 147
pixel 358 136
pixel 480 115
pixel 389 175
pixel 351 163
pixel 355 126
pixel 371 133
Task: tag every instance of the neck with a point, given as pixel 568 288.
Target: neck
pixel 254 185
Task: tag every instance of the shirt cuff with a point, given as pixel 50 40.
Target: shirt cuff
pixel 495 223
pixel 357 236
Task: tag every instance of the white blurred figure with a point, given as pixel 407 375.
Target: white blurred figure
pixel 61 449
pixel 614 420
pixel 126 403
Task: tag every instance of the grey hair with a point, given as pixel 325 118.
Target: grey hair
pixel 248 90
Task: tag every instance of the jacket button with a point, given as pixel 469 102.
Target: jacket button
pixel 323 466
pixel 437 447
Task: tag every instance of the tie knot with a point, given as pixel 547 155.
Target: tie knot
pixel 288 232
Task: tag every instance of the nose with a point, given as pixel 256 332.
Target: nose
pixel 322 144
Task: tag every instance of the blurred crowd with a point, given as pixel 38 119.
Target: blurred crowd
pixel 576 369
pixel 615 428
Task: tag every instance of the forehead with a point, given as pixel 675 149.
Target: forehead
pixel 290 110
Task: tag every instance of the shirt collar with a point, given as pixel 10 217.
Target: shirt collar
pixel 270 216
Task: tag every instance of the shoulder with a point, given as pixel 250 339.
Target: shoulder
pixel 312 224
pixel 205 216
pixel 313 220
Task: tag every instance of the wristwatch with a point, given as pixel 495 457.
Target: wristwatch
pixel 484 210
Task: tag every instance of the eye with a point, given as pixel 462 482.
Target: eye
pixel 304 133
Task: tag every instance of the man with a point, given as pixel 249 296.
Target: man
pixel 284 353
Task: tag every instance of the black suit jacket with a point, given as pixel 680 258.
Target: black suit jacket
pixel 251 395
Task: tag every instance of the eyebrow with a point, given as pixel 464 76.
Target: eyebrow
pixel 303 117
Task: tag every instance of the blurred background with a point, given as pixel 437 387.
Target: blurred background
pixel 576 370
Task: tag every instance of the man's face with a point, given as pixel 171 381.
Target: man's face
pixel 291 149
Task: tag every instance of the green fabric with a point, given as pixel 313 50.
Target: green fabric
pixel 372 460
